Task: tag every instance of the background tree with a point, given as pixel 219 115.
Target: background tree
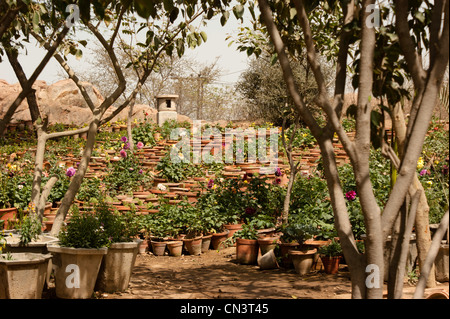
pixel 357 28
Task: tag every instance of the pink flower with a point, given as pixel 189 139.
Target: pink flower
pixel 278 172
pixel 351 195
pixel 124 139
pixel 139 145
pixel 423 172
pixel 126 146
pixel 123 153
pixel 210 183
pixel 70 171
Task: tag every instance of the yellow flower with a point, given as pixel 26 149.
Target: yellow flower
pixel 430 183
pixel 420 163
pixel 436 162
pixel 305 134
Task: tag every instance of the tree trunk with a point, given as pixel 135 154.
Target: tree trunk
pixel 75 184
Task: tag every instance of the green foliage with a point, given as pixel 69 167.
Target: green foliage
pixel 125 175
pixel 331 250
pixel 90 188
pixel 144 133
pixel 248 231
pixel 85 230
pixel 296 232
pixel 30 229
pixel 176 171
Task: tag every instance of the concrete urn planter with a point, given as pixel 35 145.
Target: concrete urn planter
pixel 117 266
pixel 76 270
pixel 23 276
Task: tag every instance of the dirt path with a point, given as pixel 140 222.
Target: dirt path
pixel 215 274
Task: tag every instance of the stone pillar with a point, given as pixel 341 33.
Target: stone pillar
pixel 167 108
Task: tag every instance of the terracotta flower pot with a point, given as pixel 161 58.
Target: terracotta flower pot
pixel 302 260
pixel 206 242
pixel 8 214
pixel 193 245
pixel 267 244
pixel 286 260
pixel 331 264
pixel 268 260
pixel 246 251
pixel 217 240
pixel 175 247
pixel 158 247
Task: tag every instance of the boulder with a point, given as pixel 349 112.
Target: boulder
pixel 63 103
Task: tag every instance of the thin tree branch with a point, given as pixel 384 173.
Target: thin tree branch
pixel 432 253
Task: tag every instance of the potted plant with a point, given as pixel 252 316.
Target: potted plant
pixel 293 237
pixel 331 255
pixel 117 265
pixel 246 244
pixel 7 210
pixel 77 258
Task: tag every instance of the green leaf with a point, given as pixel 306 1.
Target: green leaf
pixel 204 36
pixel 238 11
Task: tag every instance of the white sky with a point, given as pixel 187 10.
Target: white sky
pixel 230 60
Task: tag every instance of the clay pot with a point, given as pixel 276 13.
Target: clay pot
pixel 267 244
pixel 158 247
pixel 246 251
pixel 302 260
pixel 175 248
pixel 217 240
pixel 143 247
pixel 286 260
pixel 193 245
pixel 206 242
pixel 232 228
pixel 331 264
pixel 8 214
pixel 268 260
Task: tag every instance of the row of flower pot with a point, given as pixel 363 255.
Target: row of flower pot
pixel 269 253
pixel 177 246
pixel 78 271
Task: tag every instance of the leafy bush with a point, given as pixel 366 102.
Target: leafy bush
pixel 333 249
pixel 85 230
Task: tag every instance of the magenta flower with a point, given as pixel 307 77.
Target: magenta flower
pixel 351 195
pixel 126 146
pixel 423 172
pixel 123 153
pixel 277 181
pixel 139 145
pixel 70 171
pixel 124 139
pixel 140 171
pixel 210 183
pixel 278 172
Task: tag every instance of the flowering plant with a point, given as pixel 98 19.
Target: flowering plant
pixel 85 230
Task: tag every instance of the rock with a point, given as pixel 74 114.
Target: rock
pixel 63 103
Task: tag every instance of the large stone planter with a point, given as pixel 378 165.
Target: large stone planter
pixel 117 266
pixel 441 263
pixel 302 260
pixel 37 246
pixel 23 276
pixel 76 270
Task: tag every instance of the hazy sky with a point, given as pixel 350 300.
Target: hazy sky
pixel 230 61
